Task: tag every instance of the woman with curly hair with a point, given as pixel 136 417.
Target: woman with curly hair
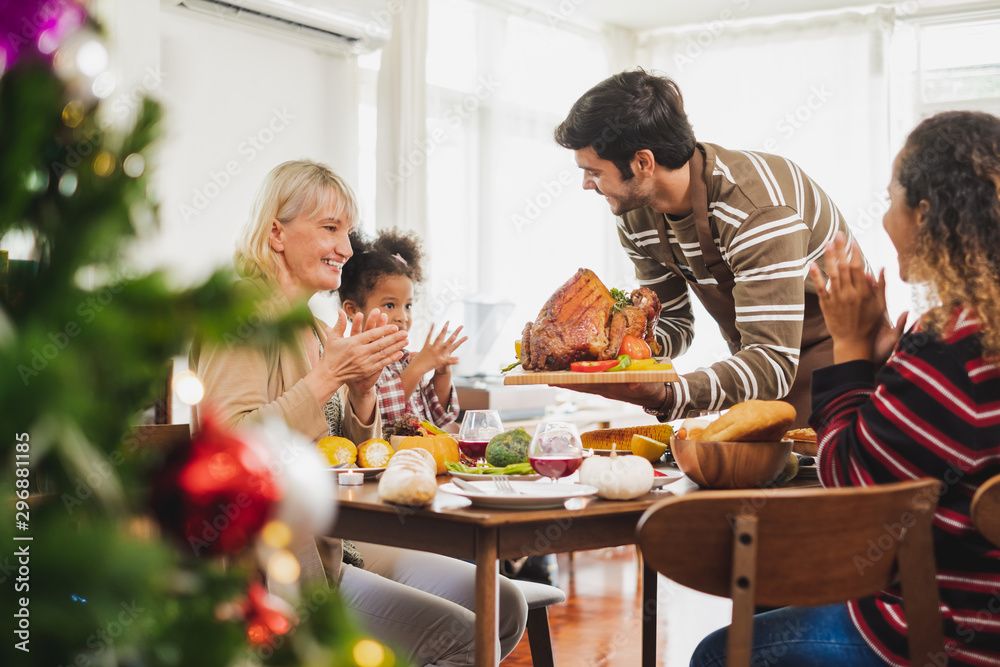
pixel 381 277
pixel 924 403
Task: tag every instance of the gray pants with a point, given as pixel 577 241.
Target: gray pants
pixel 421 604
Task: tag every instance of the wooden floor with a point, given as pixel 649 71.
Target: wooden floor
pixel 599 624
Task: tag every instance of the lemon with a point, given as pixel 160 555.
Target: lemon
pixel 517 349
pixel 337 450
pixel 374 453
pixel 647 448
pixel 790 471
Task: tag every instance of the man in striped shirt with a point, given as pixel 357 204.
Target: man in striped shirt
pixel 736 227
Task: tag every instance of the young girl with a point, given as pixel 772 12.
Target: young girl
pixel 382 274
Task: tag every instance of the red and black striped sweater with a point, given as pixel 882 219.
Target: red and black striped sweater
pixel 932 411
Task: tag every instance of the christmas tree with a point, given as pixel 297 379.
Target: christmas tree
pixel 88 577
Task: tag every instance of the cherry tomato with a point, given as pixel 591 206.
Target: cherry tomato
pixel 593 366
pixel 635 347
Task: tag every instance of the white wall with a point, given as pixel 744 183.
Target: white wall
pixel 236 103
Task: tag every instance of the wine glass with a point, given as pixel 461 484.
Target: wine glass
pixel 478 427
pixel 555 450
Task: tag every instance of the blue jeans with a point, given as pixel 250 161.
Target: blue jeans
pixel 796 636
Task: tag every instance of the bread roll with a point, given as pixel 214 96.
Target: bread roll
pixel 752 421
pixel 409 479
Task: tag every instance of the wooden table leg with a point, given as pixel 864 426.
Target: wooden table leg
pixel 487 602
pixel 649 604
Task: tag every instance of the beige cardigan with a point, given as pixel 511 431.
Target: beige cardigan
pixel 250 384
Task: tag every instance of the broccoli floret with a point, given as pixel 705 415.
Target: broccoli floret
pixel 508 447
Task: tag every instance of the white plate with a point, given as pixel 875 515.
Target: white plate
pixel 667 477
pixel 534 495
pixel 369 473
pixel 481 477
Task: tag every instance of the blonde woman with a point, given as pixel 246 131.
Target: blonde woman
pixel 323 382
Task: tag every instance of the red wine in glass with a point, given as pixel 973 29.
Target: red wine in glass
pixel 473 449
pixel 478 427
pixel 555 466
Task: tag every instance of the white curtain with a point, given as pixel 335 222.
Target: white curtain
pixel 508 219
pixel 402 148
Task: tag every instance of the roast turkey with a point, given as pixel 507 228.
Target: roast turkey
pixel 581 322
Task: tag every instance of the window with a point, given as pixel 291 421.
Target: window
pixel 508 219
pixel 941 64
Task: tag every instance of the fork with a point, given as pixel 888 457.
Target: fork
pixel 504 486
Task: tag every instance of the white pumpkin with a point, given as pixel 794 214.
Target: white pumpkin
pixel 618 477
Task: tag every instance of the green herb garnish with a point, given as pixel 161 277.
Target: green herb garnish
pixel 511 366
pixel 621 299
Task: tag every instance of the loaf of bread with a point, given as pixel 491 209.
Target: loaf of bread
pixel 410 478
pixel 751 421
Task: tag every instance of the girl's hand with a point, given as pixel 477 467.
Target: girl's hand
pixel 358 359
pixel 853 304
pixel 439 353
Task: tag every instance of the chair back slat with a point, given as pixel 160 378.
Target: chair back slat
pixel 986 510
pixel 812 547
pixel 846 538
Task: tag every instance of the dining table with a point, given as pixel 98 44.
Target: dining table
pixel 453 526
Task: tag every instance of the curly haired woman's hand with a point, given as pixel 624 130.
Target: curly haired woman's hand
pixel 853 303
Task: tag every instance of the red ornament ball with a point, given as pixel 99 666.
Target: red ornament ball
pixel 266 615
pixel 217 493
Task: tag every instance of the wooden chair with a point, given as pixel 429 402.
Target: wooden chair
pixel 986 510
pixel 160 436
pixel 539 597
pixel 801 547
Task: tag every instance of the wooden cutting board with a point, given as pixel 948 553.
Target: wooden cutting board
pixel 521 376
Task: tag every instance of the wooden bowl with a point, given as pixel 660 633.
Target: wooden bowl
pixel 731 465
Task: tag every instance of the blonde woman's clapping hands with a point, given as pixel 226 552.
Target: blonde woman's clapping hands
pixel 356 359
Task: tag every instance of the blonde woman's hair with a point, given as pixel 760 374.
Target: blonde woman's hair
pixel 292 189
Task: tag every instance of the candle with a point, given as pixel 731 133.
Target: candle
pixel 351 478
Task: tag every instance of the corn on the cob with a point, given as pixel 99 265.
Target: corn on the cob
pixel 603 438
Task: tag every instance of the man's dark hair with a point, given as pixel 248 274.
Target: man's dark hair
pixel 626 113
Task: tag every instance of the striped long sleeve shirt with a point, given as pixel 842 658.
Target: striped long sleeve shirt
pixel 932 411
pixel 423 402
pixel 769 220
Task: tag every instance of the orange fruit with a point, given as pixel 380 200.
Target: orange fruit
pixel 374 453
pixel 647 448
pixel 337 450
pixel 443 447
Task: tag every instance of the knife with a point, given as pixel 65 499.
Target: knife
pixel 466 486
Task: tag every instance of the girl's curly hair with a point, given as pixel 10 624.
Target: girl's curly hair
pixel 393 252
pixel 951 163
